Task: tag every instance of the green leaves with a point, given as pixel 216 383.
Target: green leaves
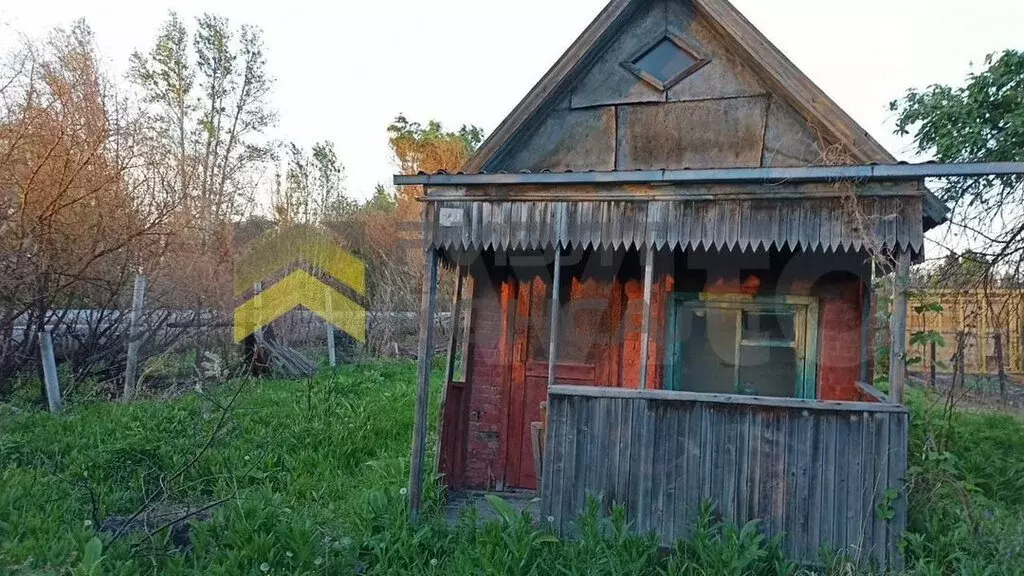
pixel 91 559
pixel 980 121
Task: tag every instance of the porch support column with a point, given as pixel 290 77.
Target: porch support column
pixel 449 364
pixel 645 331
pixel 898 327
pixel 428 300
pixel 556 290
pixel 866 330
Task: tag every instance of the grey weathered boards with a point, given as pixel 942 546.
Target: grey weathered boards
pixel 746 224
pixel 825 474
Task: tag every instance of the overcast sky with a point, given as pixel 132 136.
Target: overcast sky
pixel 344 69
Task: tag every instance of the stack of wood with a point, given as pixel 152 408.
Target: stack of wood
pixel 265 355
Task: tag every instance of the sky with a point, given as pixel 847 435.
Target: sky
pixel 344 69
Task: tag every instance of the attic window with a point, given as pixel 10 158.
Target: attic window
pixel 665 62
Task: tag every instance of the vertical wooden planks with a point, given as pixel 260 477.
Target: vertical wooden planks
pixel 816 475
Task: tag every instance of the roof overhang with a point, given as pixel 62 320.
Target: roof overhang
pixel 935 212
pixel 864 172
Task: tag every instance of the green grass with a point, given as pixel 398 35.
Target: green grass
pixel 313 475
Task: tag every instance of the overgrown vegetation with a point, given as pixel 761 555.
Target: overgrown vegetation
pixel 308 478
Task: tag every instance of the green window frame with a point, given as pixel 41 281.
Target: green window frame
pixel 801 335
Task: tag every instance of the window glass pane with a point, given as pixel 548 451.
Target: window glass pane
pixel 708 339
pixel 665 60
pixel 769 325
pixel 768 371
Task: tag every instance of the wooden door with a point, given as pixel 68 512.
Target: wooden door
pixel 528 388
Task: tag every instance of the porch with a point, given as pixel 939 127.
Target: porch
pixel 729 336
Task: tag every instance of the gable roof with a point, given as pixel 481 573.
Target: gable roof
pixel 777 71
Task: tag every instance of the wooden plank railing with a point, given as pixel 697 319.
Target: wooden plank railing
pixel 869 393
pixel 826 474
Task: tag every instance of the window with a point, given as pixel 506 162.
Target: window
pixel 734 344
pixel 665 62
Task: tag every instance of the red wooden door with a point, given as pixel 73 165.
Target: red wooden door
pixel 528 389
pixel 528 385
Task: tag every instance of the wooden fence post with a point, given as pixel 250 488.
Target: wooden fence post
pixel 332 354
pixel 134 337
pixel 49 370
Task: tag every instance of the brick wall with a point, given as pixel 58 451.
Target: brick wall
pixel 839 337
pixel 485 382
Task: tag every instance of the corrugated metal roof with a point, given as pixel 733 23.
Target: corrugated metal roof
pixel 826 224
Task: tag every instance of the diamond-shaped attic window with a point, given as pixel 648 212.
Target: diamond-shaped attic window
pixel 665 62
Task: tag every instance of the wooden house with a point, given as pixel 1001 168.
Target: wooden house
pixel 667 249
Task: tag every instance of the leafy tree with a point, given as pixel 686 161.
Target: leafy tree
pixel 312 190
pixel 980 121
pixel 431 148
pixel 209 109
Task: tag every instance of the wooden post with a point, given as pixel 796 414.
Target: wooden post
pixel 645 332
pixel 866 332
pixel 556 290
pixel 332 354
pixel 135 338
pixel 428 297
pixel 898 328
pixel 49 370
pixel 449 365
pixel 257 301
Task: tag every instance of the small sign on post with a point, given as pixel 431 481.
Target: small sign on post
pixel 49 370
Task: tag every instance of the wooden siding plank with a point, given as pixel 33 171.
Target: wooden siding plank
pixel 636 477
pixel 622 480
pixel 829 537
pixel 898 439
pixel 855 487
pixel 843 441
pixel 867 510
pixel 569 474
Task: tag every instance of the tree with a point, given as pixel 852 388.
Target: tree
pixel 431 148
pixel 981 121
pixel 312 190
pixel 77 220
pixel 206 95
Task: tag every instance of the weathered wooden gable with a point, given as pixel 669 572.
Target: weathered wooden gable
pixel 604 117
